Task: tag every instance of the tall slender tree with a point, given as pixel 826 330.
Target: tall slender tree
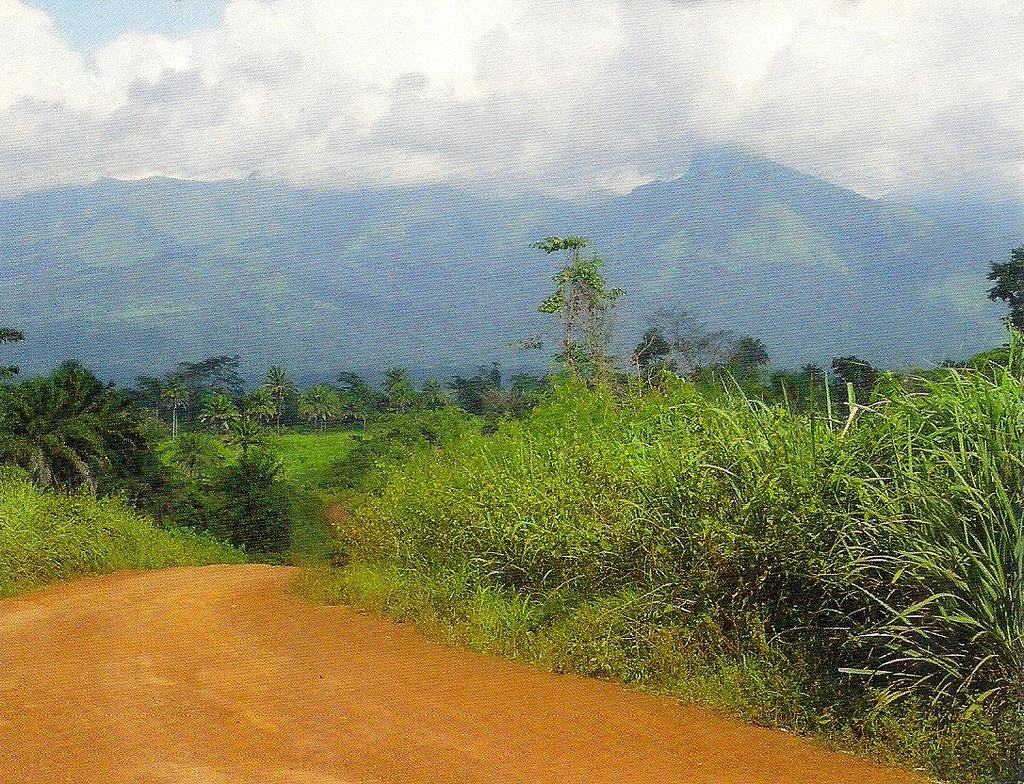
pixel 175 397
pixel 219 412
pixel 281 388
pixel 584 305
pixel 261 406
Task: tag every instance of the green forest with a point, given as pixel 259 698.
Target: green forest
pixel 837 551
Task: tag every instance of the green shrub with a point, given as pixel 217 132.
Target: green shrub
pixel 47 537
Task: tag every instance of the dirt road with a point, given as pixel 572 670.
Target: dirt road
pixel 219 675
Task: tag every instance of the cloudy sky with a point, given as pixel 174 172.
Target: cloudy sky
pixel 882 96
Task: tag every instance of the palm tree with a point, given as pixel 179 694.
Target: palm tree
pixel 355 406
pixel 219 412
pixel 175 396
pixel 261 406
pixel 280 388
pixel 399 391
pixel 246 433
pixel 194 454
pixel 319 404
pixel 68 428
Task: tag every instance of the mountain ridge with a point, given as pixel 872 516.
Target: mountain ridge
pixel 132 276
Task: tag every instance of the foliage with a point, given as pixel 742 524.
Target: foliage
pixel 46 537
pixel 253 508
pixel 261 405
pixel 213 374
pixel 584 304
pixel 280 388
pixel 486 394
pixel 472 392
pixel 1008 285
pixel 219 412
pixel 857 372
pixel 306 457
pixel 195 455
pixel 68 430
pixel 692 346
pixel 320 405
pixel 175 397
pixel 399 391
pixel 9 336
pixel 434 395
pixel 747 358
pixel 652 350
pixel 390 442
pixel 945 566
pixel 803 390
pixel 358 399
pixel 246 433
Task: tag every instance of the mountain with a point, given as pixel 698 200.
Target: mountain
pixel 131 277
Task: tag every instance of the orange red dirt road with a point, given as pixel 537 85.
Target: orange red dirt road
pixel 220 675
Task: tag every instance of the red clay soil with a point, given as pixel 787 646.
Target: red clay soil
pixel 221 675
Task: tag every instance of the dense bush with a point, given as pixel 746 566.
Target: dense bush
pixel 384 446
pixel 734 553
pixel 240 497
pixel 252 504
pixel 47 536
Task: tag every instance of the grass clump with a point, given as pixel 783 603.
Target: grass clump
pixel 860 582
pixel 46 537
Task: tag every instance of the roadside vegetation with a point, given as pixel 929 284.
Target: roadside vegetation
pixel 859 587
pixel 47 537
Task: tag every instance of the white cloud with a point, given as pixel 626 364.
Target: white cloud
pixel 562 95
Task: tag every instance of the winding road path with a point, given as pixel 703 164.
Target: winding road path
pixel 221 675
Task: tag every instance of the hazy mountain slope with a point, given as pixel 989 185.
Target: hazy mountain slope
pixel 814 269
pixel 130 275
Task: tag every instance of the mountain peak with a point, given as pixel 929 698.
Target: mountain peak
pixel 738 167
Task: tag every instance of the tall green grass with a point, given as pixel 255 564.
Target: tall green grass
pixel 47 537
pixel 861 584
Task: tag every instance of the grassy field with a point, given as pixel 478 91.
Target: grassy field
pixel 307 457
pixel 862 587
pixel 47 537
